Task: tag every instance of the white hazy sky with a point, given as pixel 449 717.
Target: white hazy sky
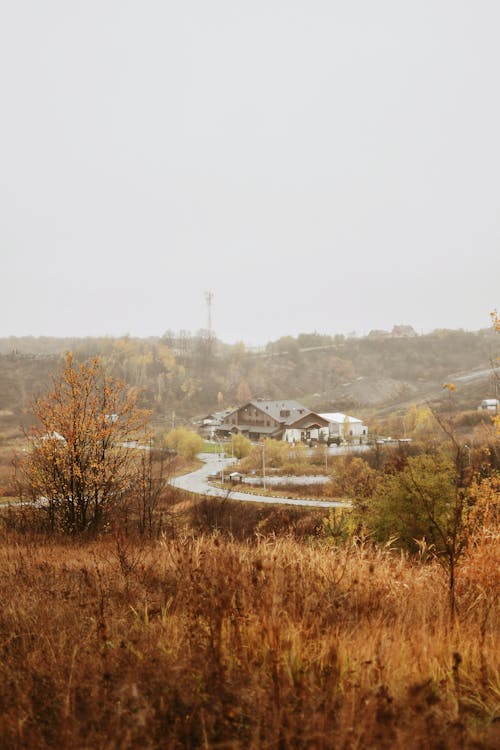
pixel 329 165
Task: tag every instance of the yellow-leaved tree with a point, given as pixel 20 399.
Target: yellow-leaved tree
pixel 81 462
pixel 185 442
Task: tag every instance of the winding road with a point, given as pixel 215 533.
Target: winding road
pixel 197 483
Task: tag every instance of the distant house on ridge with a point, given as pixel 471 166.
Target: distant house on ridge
pixel 489 404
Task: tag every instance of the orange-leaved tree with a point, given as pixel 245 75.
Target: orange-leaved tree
pixel 495 318
pixel 80 464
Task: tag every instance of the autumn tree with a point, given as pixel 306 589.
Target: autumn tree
pixel 275 453
pixel 420 422
pixel 484 513
pixel 413 503
pixel 241 446
pixel 146 491
pixel 425 502
pixel 185 442
pixel 81 462
pixel 243 393
pixel 495 318
pixel 352 478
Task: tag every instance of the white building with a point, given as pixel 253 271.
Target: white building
pixel 489 404
pixel 344 427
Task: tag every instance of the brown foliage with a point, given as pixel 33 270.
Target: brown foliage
pixel 352 477
pixel 215 643
pixel 80 464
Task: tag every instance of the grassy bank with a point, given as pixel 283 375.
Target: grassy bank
pixel 216 643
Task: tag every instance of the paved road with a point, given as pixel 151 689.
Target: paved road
pixel 197 482
pixel 474 375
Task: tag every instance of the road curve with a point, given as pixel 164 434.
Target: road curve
pixel 197 483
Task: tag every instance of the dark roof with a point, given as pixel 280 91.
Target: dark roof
pixel 277 410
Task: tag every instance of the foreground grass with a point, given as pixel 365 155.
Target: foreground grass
pixel 275 643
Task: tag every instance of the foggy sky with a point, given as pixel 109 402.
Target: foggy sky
pixel 319 165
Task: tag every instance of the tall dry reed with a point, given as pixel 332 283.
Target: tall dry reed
pixel 213 643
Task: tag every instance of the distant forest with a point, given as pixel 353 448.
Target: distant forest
pixel 183 375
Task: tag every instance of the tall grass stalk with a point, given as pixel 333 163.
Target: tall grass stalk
pixel 274 643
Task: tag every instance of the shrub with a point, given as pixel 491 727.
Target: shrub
pixel 241 446
pixel 185 442
pixel 352 477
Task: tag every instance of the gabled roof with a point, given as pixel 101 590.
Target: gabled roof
pixel 338 417
pixel 276 409
pixel 217 416
pixel 308 421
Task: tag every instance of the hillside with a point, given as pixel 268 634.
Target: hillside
pixel 182 376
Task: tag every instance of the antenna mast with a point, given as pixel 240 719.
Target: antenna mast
pixel 208 298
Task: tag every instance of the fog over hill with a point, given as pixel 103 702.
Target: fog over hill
pixel 182 376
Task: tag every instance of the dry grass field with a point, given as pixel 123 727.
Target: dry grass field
pixel 272 642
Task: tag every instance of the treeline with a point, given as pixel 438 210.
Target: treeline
pixel 183 375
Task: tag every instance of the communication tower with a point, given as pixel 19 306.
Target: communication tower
pixel 208 298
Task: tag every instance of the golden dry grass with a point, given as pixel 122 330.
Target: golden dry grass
pixel 213 643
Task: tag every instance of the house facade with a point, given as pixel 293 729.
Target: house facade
pixel 211 423
pixel 290 421
pixel 311 427
pixel 280 420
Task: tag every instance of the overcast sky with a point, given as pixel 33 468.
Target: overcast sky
pixel 329 165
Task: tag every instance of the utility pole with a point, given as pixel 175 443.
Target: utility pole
pixel 264 465
pixel 222 454
pixel 209 298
